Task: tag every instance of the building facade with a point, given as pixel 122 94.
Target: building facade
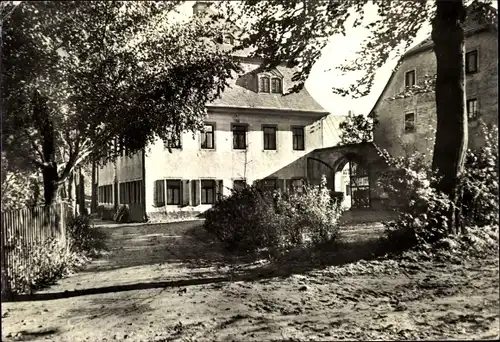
pixel 406 109
pixel 253 132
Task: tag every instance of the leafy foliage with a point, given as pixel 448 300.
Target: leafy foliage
pixel 423 211
pixel 478 189
pixel 80 76
pixel 48 262
pixel 357 129
pixel 83 238
pixel 42 263
pixel 250 219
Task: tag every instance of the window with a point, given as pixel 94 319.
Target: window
pixel 264 85
pixel 472 109
pixel 269 137
pixel 238 184
pixel 239 137
pixel 297 185
pixel 159 193
pixel 410 78
pixel 348 190
pixel 269 184
pixel 228 39
pixel 207 137
pixel 276 86
pixel 173 192
pixel 298 138
pixel 105 194
pixel 471 62
pixel 409 122
pixel 207 192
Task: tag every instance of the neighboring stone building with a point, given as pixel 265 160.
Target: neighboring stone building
pixel 408 123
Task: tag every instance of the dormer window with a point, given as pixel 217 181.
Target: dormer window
pixel 269 84
pixel 264 84
pixel 276 86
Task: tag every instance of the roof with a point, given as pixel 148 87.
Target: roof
pixel 241 93
pixel 473 24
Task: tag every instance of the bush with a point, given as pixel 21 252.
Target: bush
pixel 423 211
pixel 244 221
pixel 40 264
pixel 478 191
pixel 48 262
pixel 83 238
pixel 250 219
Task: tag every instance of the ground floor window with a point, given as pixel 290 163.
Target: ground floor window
pixel 208 192
pixel 167 192
pixel 105 194
pixel 131 192
pixel 173 192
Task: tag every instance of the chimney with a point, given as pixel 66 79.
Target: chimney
pixel 200 6
pixel 349 113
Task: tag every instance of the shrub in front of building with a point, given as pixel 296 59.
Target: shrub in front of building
pixel 251 219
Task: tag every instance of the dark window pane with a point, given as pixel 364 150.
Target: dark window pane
pixel 239 137
pixel 298 138
pixel 410 78
pixel 264 85
pixel 410 122
pixel 471 61
pixel 173 192
pixel 269 138
pixel 276 86
pixel 207 137
pixel 207 191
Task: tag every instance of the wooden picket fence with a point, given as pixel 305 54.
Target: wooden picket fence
pixel 25 230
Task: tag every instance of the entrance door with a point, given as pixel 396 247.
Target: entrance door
pixel 360 186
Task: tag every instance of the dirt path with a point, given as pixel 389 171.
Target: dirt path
pixel 131 294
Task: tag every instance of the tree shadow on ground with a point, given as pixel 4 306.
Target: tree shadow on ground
pixel 294 262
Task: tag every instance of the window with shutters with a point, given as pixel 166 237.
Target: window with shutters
pixel 298 138
pixel 239 136
pixel 471 64
pixel 173 192
pixel 207 137
pixel 208 191
pixel 269 137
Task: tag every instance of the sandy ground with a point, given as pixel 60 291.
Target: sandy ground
pixel 171 283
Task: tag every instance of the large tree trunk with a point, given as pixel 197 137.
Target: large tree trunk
pixel 50 185
pixel 451 135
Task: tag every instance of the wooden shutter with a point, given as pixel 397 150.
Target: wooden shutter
pixel 219 189
pixel 195 187
pixel 185 192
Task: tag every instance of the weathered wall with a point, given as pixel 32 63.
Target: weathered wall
pixel 483 85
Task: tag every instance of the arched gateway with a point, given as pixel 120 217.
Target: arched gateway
pixel 351 170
